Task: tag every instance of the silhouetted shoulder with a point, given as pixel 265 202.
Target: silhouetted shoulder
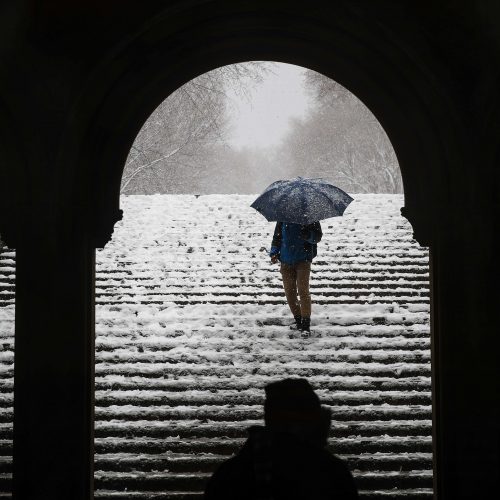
pixel 344 482
pixel 228 480
pixel 296 471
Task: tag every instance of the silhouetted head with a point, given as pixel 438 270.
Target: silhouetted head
pixel 292 406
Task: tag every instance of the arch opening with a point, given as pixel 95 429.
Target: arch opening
pixel 392 107
pixel 194 291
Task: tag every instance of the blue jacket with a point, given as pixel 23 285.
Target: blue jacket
pixel 294 243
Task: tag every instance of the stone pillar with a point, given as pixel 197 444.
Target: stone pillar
pixel 54 366
pixel 465 364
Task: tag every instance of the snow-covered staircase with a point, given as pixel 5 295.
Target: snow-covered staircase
pixel 192 323
pixel 7 276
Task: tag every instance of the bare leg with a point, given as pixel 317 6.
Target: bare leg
pixel 289 277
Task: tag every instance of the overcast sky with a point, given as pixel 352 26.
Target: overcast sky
pixel 262 120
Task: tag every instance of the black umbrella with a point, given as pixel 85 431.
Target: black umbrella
pixel 302 201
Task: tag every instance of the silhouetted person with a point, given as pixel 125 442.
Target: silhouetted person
pixel 286 459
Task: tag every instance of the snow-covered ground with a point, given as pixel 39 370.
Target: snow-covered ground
pixel 192 323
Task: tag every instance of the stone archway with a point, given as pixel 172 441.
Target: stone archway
pixel 404 98
pixel 408 114
pixel 394 58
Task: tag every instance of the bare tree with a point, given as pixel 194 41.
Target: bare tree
pixel 181 135
pixel 342 141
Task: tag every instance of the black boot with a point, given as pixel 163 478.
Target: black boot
pixel 306 327
pixel 298 323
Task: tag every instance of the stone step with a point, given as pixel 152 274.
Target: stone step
pixel 165 481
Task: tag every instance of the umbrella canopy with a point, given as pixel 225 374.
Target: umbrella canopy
pixel 301 200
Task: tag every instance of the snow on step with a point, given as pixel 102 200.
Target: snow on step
pixel 215 256
pixel 192 324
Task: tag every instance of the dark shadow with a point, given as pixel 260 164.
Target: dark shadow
pixel 286 459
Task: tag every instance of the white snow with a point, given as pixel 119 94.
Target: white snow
pixel 191 324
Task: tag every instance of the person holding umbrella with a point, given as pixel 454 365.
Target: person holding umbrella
pixel 297 205
pixel 295 246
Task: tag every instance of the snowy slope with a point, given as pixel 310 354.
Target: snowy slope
pixel 191 324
